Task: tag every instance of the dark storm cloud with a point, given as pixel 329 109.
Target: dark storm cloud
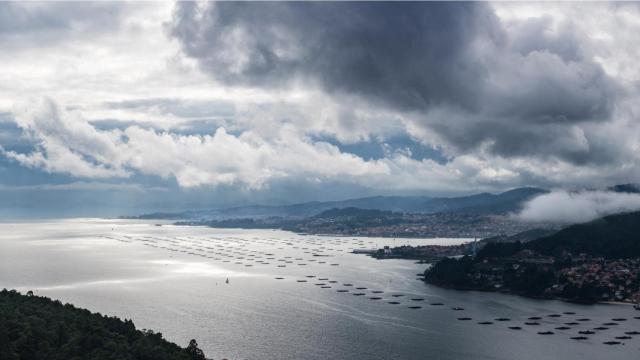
pixel 519 89
pixel 410 55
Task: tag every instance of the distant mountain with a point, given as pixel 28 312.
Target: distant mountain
pixel 484 203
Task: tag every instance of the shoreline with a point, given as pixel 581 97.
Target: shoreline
pixel 514 293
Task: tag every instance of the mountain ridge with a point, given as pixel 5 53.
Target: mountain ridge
pixel 482 203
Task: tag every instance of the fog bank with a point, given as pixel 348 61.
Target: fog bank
pixel 574 207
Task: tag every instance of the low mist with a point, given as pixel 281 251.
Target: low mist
pixel 576 207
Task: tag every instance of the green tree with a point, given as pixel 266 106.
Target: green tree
pixel 194 351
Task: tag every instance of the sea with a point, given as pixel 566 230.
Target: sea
pixel 270 294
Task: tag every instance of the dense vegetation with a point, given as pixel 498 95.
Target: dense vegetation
pixel 451 272
pixel 34 327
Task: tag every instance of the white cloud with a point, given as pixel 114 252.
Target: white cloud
pixel 65 142
pixel 575 207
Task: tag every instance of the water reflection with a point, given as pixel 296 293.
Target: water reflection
pixel 291 296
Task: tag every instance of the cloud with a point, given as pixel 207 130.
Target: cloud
pixel 82 185
pixel 577 207
pixel 456 70
pixel 249 95
pixel 410 55
pixel 65 142
pixel 53 21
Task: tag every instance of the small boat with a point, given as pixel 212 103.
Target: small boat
pixel 515 328
pixel 534 318
pixel 612 343
pixel 555 315
pixel 377 292
pixel 361 288
pixel 624 337
pixel 226 281
pixel 600 328
pixel 417 299
pixel 503 319
pixel 457 309
pixel 532 323
pixel 301 281
pixel 563 328
pixel 319 284
pixel 342 290
pixel 279 278
pixel 586 332
pixel 569 313
pixel 464 318
pixel 610 324
pixel 394 302
pixel 584 319
pixel 632 332
pixel 619 319
pixel 415 307
pixel 435 304
pixel 579 338
pixel 545 332
pixel 325 287
pixel 375 298
pixel 485 323
pixel 397 295
pixel 572 323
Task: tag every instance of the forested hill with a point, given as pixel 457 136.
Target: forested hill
pixel 34 327
pixel 614 236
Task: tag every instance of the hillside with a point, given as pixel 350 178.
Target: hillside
pixel 590 262
pixel 614 236
pixel 34 327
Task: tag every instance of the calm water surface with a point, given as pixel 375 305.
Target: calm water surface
pixel 172 279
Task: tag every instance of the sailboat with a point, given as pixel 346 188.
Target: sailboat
pixel 227 281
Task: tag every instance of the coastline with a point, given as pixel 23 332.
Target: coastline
pixel 529 296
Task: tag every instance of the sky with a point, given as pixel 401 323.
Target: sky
pixel 113 108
